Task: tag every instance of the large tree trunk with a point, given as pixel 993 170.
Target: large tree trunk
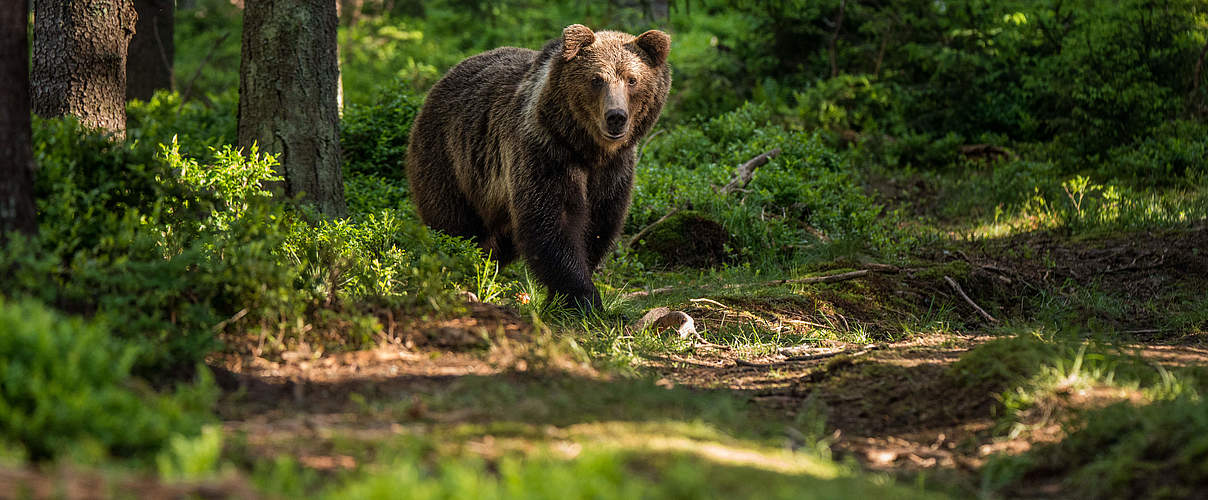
pixel 80 60
pixel 149 67
pixel 16 152
pixel 287 95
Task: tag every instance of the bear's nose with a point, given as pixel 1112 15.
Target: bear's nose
pixel 616 118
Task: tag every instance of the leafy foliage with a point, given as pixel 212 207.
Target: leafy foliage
pixel 65 389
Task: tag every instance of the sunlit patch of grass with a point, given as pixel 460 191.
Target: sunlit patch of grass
pixel 610 460
pixel 518 435
pixel 1119 417
pixel 1084 206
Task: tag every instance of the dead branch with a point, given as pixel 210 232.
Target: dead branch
pixel 968 300
pixel 813 279
pixel 709 301
pixel 860 351
pixel 638 237
pixel 746 171
pixel 644 293
pixel 849 352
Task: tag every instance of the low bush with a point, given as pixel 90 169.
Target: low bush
pixel 804 192
pixel 374 136
pixel 66 389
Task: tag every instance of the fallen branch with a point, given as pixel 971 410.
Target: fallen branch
pixel 223 324
pixel 813 357
pixel 968 300
pixel 849 352
pixel 638 237
pixel 746 171
pixel 813 279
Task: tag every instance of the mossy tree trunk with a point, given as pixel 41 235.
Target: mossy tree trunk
pixel 288 96
pixel 80 60
pixel 16 152
pixel 152 50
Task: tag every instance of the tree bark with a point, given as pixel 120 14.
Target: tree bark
pixel 152 50
pixel 80 60
pixel 16 151
pixel 287 96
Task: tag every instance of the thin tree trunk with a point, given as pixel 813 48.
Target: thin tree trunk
pixel 834 40
pixel 1194 99
pixel 876 67
pixel 152 50
pixel 16 152
pixel 288 96
pixel 80 60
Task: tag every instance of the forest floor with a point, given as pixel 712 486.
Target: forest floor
pixel 862 365
pixel 877 369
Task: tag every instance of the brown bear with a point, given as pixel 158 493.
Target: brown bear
pixel 533 152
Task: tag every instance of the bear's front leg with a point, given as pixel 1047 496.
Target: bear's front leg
pixel 549 215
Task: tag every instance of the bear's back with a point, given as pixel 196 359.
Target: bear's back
pixel 483 78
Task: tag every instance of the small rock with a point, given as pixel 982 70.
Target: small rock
pixel 662 319
pixel 649 318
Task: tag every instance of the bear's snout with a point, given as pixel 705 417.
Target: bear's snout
pixel 615 121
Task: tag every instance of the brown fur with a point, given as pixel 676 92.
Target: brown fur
pixel 533 152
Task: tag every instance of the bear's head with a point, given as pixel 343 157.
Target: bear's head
pixel 615 83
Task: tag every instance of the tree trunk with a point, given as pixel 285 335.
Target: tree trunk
pixel 287 95
pixel 80 60
pixel 16 151
pixel 149 67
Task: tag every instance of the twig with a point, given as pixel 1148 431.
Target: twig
pixel 649 138
pixel 746 171
pixel 638 237
pixel 710 301
pixel 184 96
pixel 968 300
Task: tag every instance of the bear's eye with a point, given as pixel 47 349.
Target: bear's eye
pixel 597 81
pixel 633 80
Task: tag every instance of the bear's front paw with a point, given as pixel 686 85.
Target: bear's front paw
pixel 587 301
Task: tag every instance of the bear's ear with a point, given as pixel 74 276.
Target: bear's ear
pixel 575 37
pixel 656 44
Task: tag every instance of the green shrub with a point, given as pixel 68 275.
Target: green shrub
pixel 387 257
pixel 197 127
pixel 163 249
pixel 1165 155
pixel 806 189
pixel 374 136
pixel 65 389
